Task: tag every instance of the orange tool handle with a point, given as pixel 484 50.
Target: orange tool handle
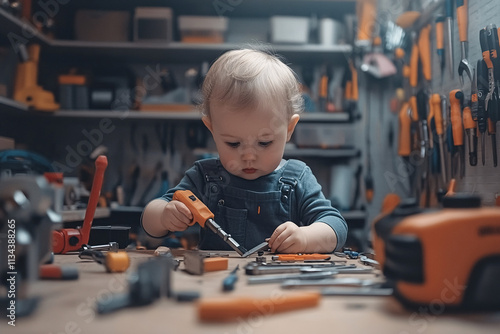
pixel 414 66
pixel 462 19
pixel 424 48
pixel 438 113
pixel 485 48
pixel 491 127
pixel 301 257
pixel 199 210
pixel 456 96
pixel 100 166
pixel 467 118
pixel 354 78
pixel 414 109
pixel 366 10
pixel 230 309
pixel 439 34
pixel 348 90
pixel 323 86
pixel 404 149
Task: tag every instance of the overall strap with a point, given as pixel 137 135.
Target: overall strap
pixel 291 173
pixel 212 170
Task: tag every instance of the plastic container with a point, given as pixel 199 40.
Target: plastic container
pixel 202 29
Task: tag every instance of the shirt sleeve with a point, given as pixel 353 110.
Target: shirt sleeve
pixel 314 207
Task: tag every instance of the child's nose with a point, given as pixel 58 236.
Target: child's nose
pixel 249 154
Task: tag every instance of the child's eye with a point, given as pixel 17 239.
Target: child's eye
pixel 265 143
pixel 233 145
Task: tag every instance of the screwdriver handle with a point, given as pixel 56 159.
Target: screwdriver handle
pixel 424 48
pixel 467 118
pixel 354 79
pixel 456 97
pixel 462 19
pixel 200 211
pixel 414 66
pixel 404 149
pixel 438 113
pixel 440 35
pixel 366 11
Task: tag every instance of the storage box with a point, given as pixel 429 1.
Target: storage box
pixel 153 24
pixel 102 25
pixel 328 135
pixel 289 29
pixel 242 30
pixel 202 29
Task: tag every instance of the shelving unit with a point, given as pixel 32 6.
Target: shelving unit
pixel 69 51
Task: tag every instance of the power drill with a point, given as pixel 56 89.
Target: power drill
pixel 449 256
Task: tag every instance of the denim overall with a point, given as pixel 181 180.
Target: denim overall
pixel 249 216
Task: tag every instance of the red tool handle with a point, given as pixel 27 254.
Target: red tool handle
pixel 100 166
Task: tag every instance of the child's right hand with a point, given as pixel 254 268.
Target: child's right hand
pixel 176 216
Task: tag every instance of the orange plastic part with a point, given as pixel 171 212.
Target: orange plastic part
pixel 447 235
pixel 117 262
pixel 215 264
pixel 302 257
pixel 456 118
pixel 223 309
pixel 199 210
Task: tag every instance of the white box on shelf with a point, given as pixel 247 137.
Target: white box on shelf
pixel 202 29
pixel 326 135
pixel 289 29
pixel 153 24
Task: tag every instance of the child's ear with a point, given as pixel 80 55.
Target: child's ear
pixel 291 126
pixel 207 122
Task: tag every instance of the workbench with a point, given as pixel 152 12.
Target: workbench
pixel 69 307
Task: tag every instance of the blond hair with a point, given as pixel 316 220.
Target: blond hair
pixel 251 78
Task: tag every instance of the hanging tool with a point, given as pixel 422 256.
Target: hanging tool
pixel 488 48
pixel 229 282
pixel 71 239
pixel 228 309
pixel 456 100
pixel 438 120
pixel 115 262
pixel 449 37
pixel 463 25
pixel 440 45
pixel 203 216
pixel 422 103
pixel 493 110
pixel 366 11
pixel 482 116
pixel 26 88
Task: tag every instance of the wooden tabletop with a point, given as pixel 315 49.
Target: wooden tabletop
pixel 69 307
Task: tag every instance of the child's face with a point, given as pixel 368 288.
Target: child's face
pixel 250 142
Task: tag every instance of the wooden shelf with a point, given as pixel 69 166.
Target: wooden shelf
pixel 22 32
pixel 10 106
pixel 321 153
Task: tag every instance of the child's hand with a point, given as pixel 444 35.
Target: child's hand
pixel 176 216
pixel 288 238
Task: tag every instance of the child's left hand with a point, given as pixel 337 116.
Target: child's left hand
pixel 288 238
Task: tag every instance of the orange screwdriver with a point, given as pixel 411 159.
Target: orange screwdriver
pixel 203 216
pixel 456 98
pixel 300 257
